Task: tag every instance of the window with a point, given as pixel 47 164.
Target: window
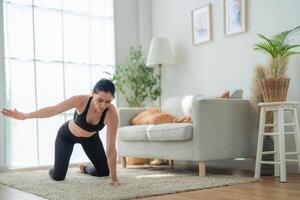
pixel 53 49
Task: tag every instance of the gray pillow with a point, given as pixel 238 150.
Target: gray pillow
pixel 236 94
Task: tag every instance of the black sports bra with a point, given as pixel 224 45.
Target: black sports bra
pixel 80 119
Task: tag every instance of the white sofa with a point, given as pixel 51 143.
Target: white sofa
pixel 221 129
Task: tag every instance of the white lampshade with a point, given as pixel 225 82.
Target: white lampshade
pixel 159 52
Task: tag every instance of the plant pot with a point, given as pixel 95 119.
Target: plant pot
pixel 274 89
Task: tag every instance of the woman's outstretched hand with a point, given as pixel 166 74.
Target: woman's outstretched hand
pixel 13 114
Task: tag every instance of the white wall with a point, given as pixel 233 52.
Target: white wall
pixel 126 32
pixel 126 27
pixel 225 62
pixel 132 28
pixel 145 24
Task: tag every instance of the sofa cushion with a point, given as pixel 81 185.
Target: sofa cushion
pixel 133 133
pixel 170 132
pixel 160 132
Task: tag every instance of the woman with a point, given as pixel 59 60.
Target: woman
pixel 91 114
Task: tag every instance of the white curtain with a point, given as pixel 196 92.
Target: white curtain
pixel 54 49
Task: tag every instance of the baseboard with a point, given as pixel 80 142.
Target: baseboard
pixel 247 164
pixel 44 167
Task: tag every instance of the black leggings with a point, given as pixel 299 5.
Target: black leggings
pixel 92 146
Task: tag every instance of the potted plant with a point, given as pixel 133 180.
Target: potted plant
pixel 138 84
pixel 271 83
pixel 275 83
pixel 135 81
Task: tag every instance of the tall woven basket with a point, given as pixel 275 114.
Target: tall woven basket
pixel 275 89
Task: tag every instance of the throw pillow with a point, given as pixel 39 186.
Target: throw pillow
pixel 225 95
pixel 186 105
pixel 236 94
pixel 173 106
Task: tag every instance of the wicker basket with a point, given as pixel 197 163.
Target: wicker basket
pixel 275 89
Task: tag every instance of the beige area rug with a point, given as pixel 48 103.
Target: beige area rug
pixel 141 182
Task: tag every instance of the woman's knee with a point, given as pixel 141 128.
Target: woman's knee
pixel 58 178
pixel 101 173
pixel 104 173
pixel 55 177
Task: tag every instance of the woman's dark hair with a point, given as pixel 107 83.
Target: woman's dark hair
pixel 105 85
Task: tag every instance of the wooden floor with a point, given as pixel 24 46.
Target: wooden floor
pixel 7 193
pixel 269 188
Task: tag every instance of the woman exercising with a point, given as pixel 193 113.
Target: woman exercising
pixel 91 114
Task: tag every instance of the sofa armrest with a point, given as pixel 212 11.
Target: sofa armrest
pixel 126 113
pixel 223 128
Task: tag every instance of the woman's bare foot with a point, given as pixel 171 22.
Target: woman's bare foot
pixel 82 167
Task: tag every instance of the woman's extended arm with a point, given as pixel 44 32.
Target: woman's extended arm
pixel 45 112
pixel 112 125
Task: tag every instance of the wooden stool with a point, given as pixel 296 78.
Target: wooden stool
pixel 278 134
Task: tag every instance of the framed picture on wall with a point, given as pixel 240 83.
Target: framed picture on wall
pixel 201 24
pixel 234 16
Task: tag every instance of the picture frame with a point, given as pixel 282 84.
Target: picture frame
pixel 201 24
pixel 234 16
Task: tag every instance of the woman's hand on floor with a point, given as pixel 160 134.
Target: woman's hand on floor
pixel 116 183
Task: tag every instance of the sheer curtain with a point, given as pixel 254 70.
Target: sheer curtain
pixel 54 49
pixel 2 93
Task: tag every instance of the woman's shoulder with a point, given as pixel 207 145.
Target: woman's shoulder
pixel 81 99
pixel 111 113
pixel 111 109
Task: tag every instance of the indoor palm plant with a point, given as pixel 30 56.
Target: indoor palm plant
pixel 271 83
pixel 135 81
pixel 275 82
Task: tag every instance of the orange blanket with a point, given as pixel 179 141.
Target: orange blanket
pixel 155 116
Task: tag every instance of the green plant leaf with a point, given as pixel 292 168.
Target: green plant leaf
pixel 279 49
pixel 135 81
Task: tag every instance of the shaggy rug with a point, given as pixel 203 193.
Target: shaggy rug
pixel 139 182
